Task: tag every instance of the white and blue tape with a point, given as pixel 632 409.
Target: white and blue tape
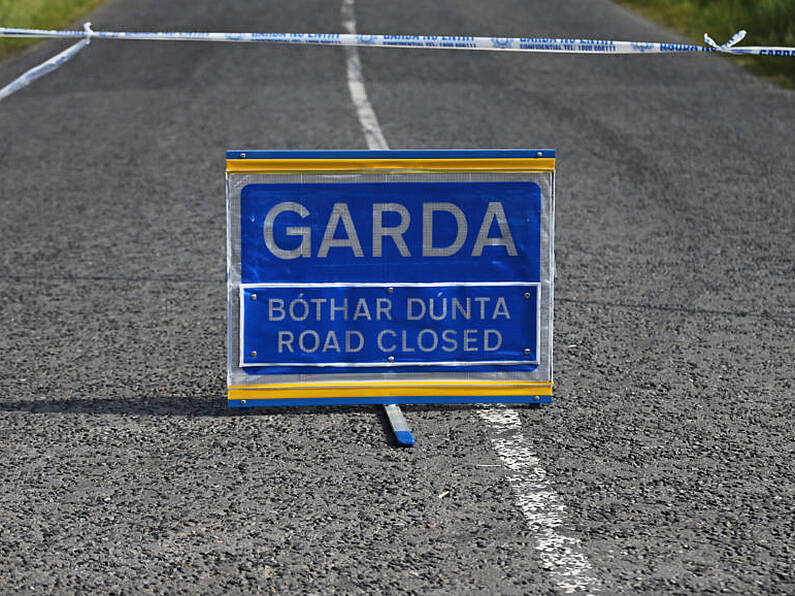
pixel 49 65
pixel 457 42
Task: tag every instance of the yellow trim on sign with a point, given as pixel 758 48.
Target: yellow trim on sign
pixel 284 166
pixel 407 389
pixel 394 382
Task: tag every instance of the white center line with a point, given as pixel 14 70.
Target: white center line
pixel 367 118
pixel 541 506
pixel 562 555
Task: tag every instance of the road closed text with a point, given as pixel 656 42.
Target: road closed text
pixel 402 323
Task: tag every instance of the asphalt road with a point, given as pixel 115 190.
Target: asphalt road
pixel 670 439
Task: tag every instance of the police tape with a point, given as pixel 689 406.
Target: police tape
pixel 443 42
pixel 428 42
pixel 48 65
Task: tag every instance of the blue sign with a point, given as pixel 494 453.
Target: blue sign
pixel 389 276
pixel 415 231
pixel 293 329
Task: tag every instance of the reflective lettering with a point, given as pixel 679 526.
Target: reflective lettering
pixel 380 341
pixel 501 309
pixel 313 335
pixel 404 346
pixel 491 333
pixel 458 307
pixel 348 345
pixel 318 302
pixel 285 341
pixel 443 314
pixel 362 311
pixel 396 233
pixel 340 212
pixel 410 314
pixel 470 337
pixel 343 309
pixel 276 305
pixel 482 300
pixel 305 248
pixel 331 342
pixel 303 305
pixel 494 211
pixel 434 339
pixel 383 306
pixel 448 336
pixel 428 249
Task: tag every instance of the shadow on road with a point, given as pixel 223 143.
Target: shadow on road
pixel 151 406
pixel 212 406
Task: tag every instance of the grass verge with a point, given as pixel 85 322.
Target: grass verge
pixel 768 22
pixel 39 14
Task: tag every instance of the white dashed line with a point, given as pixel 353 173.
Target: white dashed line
pixel 561 555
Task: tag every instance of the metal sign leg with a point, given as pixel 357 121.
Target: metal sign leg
pixel 399 425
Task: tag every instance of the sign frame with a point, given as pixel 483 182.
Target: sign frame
pixel 387 383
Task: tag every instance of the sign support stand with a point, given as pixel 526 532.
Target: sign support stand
pixel 399 425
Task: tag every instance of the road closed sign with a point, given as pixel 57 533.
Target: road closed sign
pixel 389 277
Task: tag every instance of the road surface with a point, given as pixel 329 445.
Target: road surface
pixel 665 461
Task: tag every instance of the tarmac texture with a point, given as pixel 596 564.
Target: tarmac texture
pixel 670 439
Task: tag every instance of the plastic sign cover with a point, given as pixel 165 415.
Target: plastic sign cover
pixel 375 277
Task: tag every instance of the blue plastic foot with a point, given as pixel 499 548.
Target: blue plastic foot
pixel 399 425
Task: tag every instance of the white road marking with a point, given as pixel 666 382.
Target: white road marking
pixel 367 118
pixel 561 555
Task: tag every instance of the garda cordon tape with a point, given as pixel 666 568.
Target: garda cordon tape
pixel 428 42
pixel 443 42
